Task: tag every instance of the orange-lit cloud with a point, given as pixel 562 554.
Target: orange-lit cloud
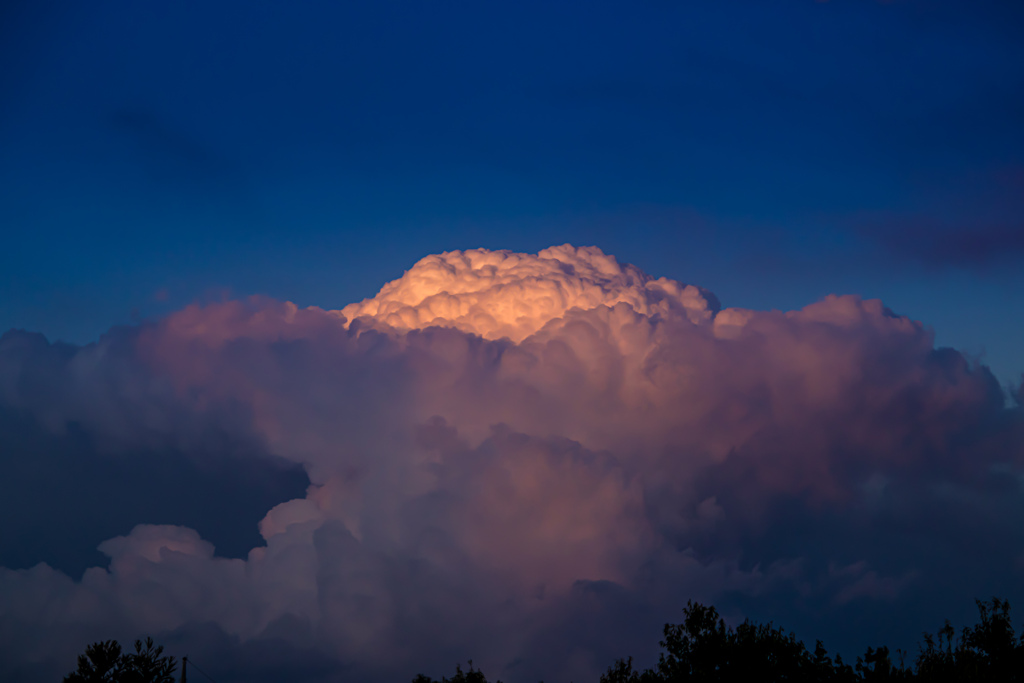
pixel 497 294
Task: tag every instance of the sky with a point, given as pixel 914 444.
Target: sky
pixel 778 369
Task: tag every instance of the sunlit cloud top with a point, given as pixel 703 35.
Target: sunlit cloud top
pixel 502 294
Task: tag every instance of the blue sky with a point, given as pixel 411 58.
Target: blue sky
pixel 158 154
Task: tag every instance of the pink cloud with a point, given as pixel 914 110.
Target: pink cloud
pixel 495 430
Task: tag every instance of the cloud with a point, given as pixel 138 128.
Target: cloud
pixel 530 460
pixel 974 246
pixel 497 294
pixel 980 224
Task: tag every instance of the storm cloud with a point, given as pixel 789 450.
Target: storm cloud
pixel 527 460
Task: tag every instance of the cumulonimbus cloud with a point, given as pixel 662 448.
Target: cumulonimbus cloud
pixel 506 448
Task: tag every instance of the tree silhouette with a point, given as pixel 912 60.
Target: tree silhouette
pixel 703 648
pixel 101 663
pixel 105 662
pixel 471 676
pixel 989 651
pixel 878 666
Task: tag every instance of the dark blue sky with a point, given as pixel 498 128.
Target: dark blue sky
pixel 159 153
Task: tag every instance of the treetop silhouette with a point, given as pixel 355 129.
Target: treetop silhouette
pixel 105 662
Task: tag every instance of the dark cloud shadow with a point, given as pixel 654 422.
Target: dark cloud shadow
pixel 975 247
pixel 60 496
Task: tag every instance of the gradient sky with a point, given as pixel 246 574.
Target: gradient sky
pixel 156 154
pixel 570 476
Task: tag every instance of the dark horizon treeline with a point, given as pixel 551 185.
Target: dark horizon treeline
pixel 703 648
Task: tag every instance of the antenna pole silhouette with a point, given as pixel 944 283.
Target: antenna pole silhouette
pixel 184 665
